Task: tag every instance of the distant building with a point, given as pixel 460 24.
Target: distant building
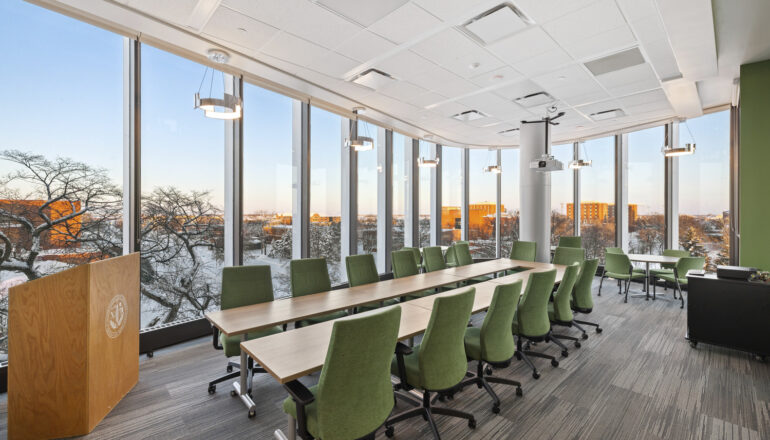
pixel 57 237
pixel 599 212
pixel 481 219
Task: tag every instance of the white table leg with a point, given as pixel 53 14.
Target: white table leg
pixel 291 428
pixel 242 386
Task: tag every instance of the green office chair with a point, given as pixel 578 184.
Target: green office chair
pixel 462 252
pixel 613 250
pixel 617 250
pixel 618 267
pixel 416 255
pixel 559 311
pixel 451 255
pixel 524 250
pixel 531 318
pixel 582 302
pixel 433 258
pixel 493 344
pixel 570 241
pixel 242 286
pixel 569 255
pixel 668 268
pixel 679 277
pixel 361 270
pixel 438 364
pixel 354 395
pixel 404 266
pixel 308 276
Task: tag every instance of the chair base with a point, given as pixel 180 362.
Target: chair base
pixel 482 381
pixel 426 410
pixel 524 354
pixel 233 375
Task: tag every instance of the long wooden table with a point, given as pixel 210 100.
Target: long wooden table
pixel 243 320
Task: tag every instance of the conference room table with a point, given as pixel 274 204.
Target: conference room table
pixel 240 321
pixel 647 259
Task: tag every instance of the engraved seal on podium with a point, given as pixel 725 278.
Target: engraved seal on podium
pixel 115 318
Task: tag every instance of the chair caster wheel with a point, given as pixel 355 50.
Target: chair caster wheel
pixel 233 393
pixel 252 413
pixel 585 336
pixel 536 375
pixel 229 368
pixel 389 432
pixel 150 354
pixel 693 344
pixel 564 353
pixel 472 423
pixel 599 329
pixel 554 362
pixel 496 409
pixel 488 370
pixel 577 344
pixel 212 389
pixel 519 392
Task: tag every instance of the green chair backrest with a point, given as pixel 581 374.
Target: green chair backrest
pixel 357 370
pixel 686 264
pixel 569 255
pixel 570 241
pixel 442 351
pixel 415 254
pixel 403 263
pixel 581 297
pixel 673 253
pixel 463 254
pixel 614 250
pixel 524 250
pixel 450 256
pixel 617 263
pixel 308 276
pixel 246 285
pixel 561 299
pixel 434 258
pixel 361 269
pixel 532 313
pixel 496 338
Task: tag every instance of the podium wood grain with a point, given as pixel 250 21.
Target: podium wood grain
pixel 65 372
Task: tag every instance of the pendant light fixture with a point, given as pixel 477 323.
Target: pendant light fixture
pixel 228 107
pixel 424 162
pixel 580 163
pixel 686 150
pixel 493 168
pixel 360 143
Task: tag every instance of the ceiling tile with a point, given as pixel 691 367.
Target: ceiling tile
pixel 596 107
pixel 454 10
pixel 630 80
pixel 543 62
pixel 445 46
pixel 293 49
pixel 320 26
pixel 526 44
pixel 593 19
pixel 425 99
pixel 174 12
pixel 267 11
pixel 240 29
pixel 443 82
pixel 496 77
pixel 333 64
pixel 402 90
pixel 517 90
pixel 543 11
pixel 601 44
pixel 363 13
pixel 448 109
pixel 405 23
pixel 364 46
pixel 406 65
pixel 573 74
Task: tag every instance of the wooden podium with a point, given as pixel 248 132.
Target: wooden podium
pixel 73 348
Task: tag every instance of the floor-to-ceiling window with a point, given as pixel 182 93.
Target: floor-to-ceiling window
pixel 482 207
pixel 61 146
pixel 399 188
pixel 424 182
pixel 561 194
pixel 267 183
pixel 509 198
pixel 325 190
pixel 597 196
pixel 182 240
pixel 367 192
pixel 451 194
pixel 704 188
pixel 646 187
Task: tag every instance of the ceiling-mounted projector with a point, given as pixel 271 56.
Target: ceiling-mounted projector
pixel 546 163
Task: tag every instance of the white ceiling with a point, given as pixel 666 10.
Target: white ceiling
pixel 441 70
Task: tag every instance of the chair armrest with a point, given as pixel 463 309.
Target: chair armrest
pixel 401 351
pixel 302 397
pixel 215 339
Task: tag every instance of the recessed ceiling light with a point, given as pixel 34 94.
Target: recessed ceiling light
pixel 496 23
pixel 534 99
pixel 218 56
pixel 474 66
pixel 615 62
pixel 469 115
pixel 607 114
pixel 373 79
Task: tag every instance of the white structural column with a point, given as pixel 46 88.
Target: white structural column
pixel 465 194
pixel 132 141
pixel 384 198
pixel 499 202
pixel 233 178
pixel 435 196
pixel 576 191
pixel 672 187
pixel 621 191
pixel 349 199
pixel 535 188
pixel 300 186
pixel 412 197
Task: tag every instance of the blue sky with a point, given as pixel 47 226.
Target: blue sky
pixel 62 95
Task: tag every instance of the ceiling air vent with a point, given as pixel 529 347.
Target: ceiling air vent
pixel 607 114
pixel 619 61
pixel 511 132
pixel 496 23
pixel 470 115
pixel 373 79
pixel 534 100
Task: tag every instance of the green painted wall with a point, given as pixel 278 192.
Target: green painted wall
pixel 755 165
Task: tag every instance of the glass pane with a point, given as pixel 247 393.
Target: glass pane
pixel 182 205
pixel 62 116
pixel 561 194
pixel 367 193
pixel 483 203
pixel 424 214
pixel 646 187
pixel 597 196
pixel 267 183
pixel 510 200
pixel 325 190
pixel 399 188
pixel 451 194
pixel 704 189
